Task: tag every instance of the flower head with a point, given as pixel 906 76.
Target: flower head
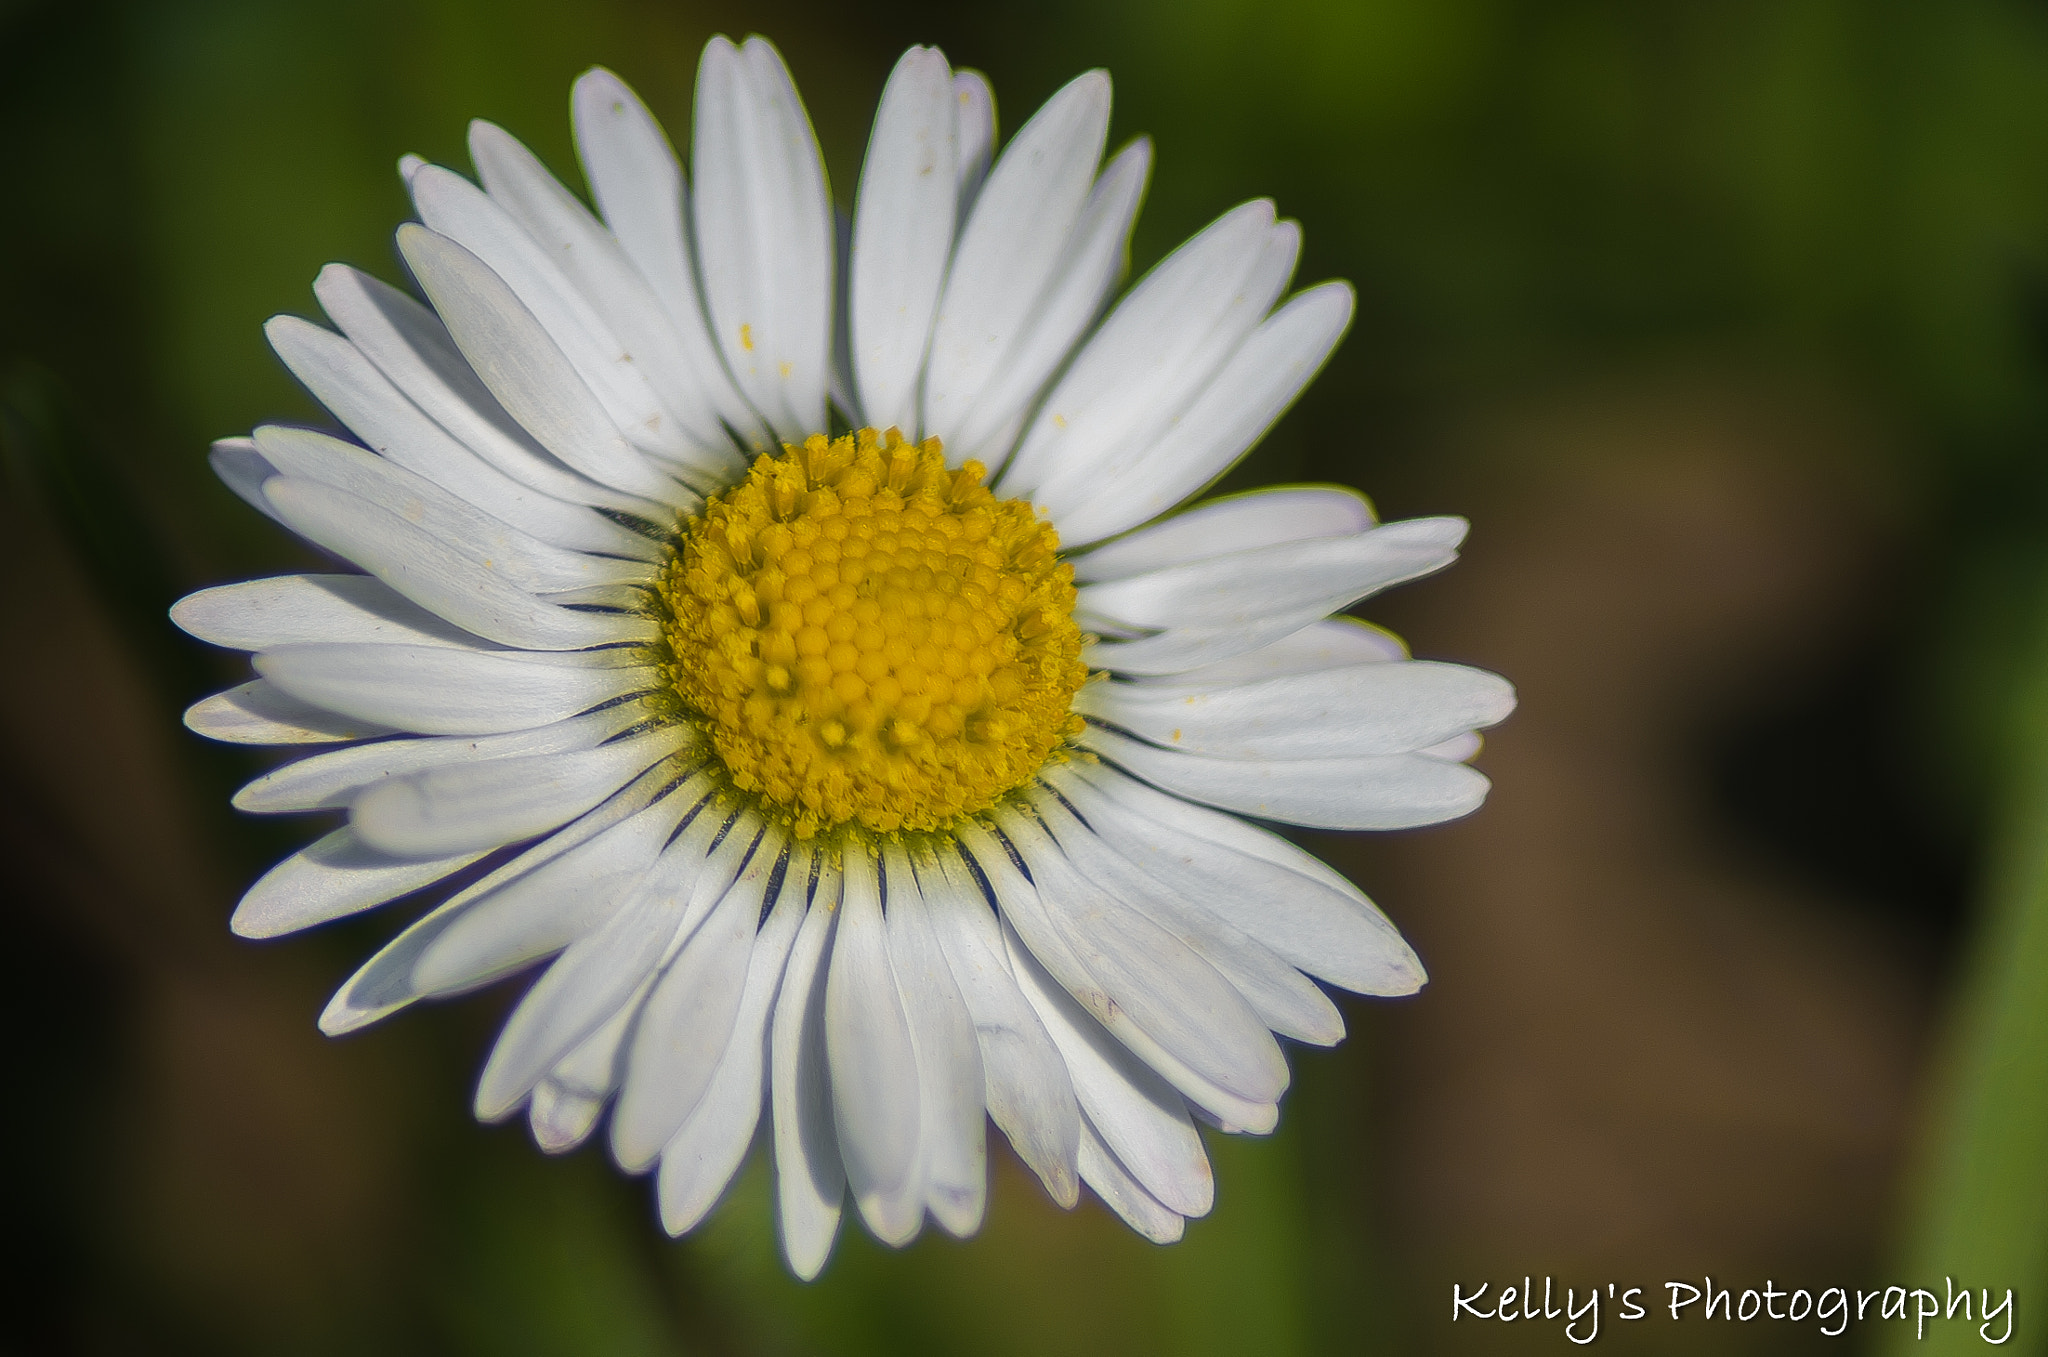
pixel 877 778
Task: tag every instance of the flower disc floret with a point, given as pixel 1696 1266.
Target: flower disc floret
pixel 873 638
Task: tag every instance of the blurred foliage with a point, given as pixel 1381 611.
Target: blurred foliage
pixel 1845 196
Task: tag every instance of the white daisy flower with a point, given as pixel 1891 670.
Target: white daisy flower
pixel 875 784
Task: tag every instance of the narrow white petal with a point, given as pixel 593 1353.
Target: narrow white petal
pixel 472 806
pixel 1029 1095
pixel 413 350
pixel 259 712
pixel 441 578
pixel 524 368
pixel 975 124
pixel 702 1157
pixel 1234 407
pixel 303 609
pixel 1289 900
pixel 242 469
pixel 609 366
pixel 810 1180
pixel 331 878
pixel 1284 999
pixel 1138 1115
pixel 1186 1020
pixel 592 977
pixel 1125 1195
pixel 484 934
pixel 348 382
pixel 1458 749
pixel 1257 518
pixel 1011 247
pixel 1333 643
pixel 639 189
pixel 435 691
pixel 563 1117
pixel 1096 256
pixel 1157 350
pixel 903 235
pixel 1226 605
pixel 1361 710
pixel 331 781
pixel 568 1100
pixel 1399 791
pixel 687 1026
pixel 518 557
pixel 764 233
pixel 873 1062
pixel 952 1144
pixel 590 258
pixel 396 975
pixel 1044 914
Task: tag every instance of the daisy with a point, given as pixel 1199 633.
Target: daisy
pixel 875 778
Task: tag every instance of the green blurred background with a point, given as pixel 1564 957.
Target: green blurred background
pixel 1727 322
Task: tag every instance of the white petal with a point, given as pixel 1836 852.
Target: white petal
pixel 343 378
pixel 1198 1030
pixel 441 578
pixel 874 1065
pixel 952 1146
pixel 703 1156
pixel 639 188
pixel 1141 1119
pixel 259 712
pixel 1125 1195
pixel 1028 1093
pixel 330 781
pixel 451 206
pixel 433 691
pixel 332 877
pixel 1096 256
pixel 903 235
pixel 1155 351
pixel 810 1180
pixel 1244 522
pixel 563 1117
pixel 413 350
pixel 1333 643
pixel 1010 249
pixel 975 124
pixel 1040 912
pixel 764 233
pixel 1226 605
pixel 594 264
pixel 687 1026
pixel 396 975
pixel 1458 749
pixel 242 469
pixel 524 367
pixel 1285 999
pixel 301 609
pixel 1360 710
pixel 472 806
pixel 1235 406
pixel 1399 791
pixel 568 1100
pixel 588 982
pixel 1287 899
pixel 515 556
pixel 484 934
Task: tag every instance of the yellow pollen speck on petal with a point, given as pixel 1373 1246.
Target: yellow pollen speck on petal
pixel 872 638
pixel 747 338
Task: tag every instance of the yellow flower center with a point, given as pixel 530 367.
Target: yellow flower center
pixel 872 638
